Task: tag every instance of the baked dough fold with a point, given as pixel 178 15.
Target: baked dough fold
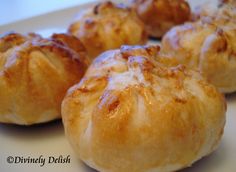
pixel 132 113
pixel 35 74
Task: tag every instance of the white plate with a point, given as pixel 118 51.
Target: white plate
pixel 48 139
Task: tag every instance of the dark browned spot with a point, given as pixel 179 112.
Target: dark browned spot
pixel 100 6
pixel 117 30
pixel 84 90
pixel 95 10
pixel 152 50
pixel 179 100
pixel 113 105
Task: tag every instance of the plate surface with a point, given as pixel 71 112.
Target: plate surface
pixel 48 140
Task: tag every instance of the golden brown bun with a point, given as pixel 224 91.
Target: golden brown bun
pixel 206 9
pixel 131 113
pixel 226 1
pixel 232 2
pixel 214 10
pixel 35 74
pixel 108 26
pixel 161 15
pixel 207 45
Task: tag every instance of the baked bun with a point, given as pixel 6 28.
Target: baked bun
pixel 131 113
pixel 204 10
pixel 224 8
pixel 207 45
pixel 232 2
pixel 35 74
pixel 108 26
pixel 161 15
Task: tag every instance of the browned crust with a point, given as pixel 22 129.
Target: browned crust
pixel 131 108
pixel 208 46
pixel 35 73
pixel 108 26
pixel 161 15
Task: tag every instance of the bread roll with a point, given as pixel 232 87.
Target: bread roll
pixel 108 26
pixel 161 15
pixel 208 46
pixel 232 2
pixel 214 10
pixel 132 113
pixel 35 74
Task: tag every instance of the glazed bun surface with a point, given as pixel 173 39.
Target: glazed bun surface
pixel 132 113
pixel 161 15
pixel 35 74
pixel 108 26
pixel 208 46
